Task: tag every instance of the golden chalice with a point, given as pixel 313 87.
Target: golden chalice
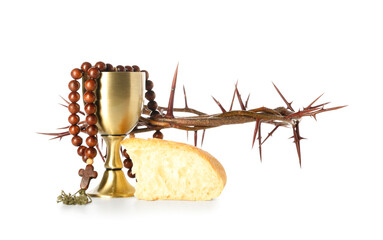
pixel 119 101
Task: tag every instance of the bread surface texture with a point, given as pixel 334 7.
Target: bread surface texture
pixel 174 171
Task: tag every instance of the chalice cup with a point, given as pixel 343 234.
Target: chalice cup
pixel 119 101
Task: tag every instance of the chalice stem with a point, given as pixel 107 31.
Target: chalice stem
pixel 113 183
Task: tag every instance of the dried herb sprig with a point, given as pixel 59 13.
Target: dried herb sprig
pixel 68 199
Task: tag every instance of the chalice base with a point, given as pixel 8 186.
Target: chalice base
pixel 113 185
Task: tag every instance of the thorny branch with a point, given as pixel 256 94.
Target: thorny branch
pixel 279 117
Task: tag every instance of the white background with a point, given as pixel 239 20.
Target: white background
pixel 305 47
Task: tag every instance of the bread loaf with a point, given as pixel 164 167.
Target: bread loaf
pixel 172 170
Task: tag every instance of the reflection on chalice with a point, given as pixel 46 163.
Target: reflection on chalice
pixel 119 101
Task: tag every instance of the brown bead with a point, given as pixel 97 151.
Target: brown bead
pixel 90 152
pixel 91 141
pixel 125 153
pixel 81 150
pixel 94 72
pixel 74 129
pixel 109 67
pixel 128 69
pixel 92 130
pixel 136 68
pixel 84 157
pixel 74 108
pixel 91 119
pixel 150 95
pixel 155 114
pixel 90 85
pixel 100 65
pixel 76 73
pixel 77 140
pixel 152 105
pixel 90 108
pixel 128 163
pixel 74 96
pixel 120 68
pixel 149 85
pixel 89 97
pixel 158 134
pixel 74 85
pixel 85 66
pixel 73 119
pixel 130 174
pixel 146 74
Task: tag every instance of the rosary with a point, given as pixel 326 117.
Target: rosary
pixel 92 74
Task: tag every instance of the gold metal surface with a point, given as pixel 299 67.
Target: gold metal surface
pixel 119 101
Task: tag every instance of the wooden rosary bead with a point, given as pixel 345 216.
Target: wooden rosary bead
pixel 128 69
pixel 76 140
pixel 150 95
pixel 94 73
pixel 74 96
pixel 89 161
pixel 130 174
pixel 128 163
pixel 149 85
pixel 101 66
pixel 125 153
pixel 74 108
pixel 120 68
pixel 74 129
pixel 158 134
pixel 152 105
pixel 84 157
pixel 155 114
pixel 90 152
pixel 91 119
pixel 81 150
pixel 90 84
pixel 91 141
pixel 90 108
pixel 146 74
pixel 74 85
pixel 76 73
pixel 85 66
pixel 109 67
pixel 89 97
pixel 92 130
pixel 73 119
pixel 136 68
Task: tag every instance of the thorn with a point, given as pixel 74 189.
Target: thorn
pixel 309 106
pixel 330 109
pixel 260 142
pixel 297 139
pixel 247 100
pixel 257 121
pixel 63 128
pixel 239 97
pixel 219 105
pixel 270 133
pixel 284 99
pixel 232 101
pixel 169 113
pixel 186 101
pixel 63 105
pixel 203 136
pixel 195 138
pixel 67 102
